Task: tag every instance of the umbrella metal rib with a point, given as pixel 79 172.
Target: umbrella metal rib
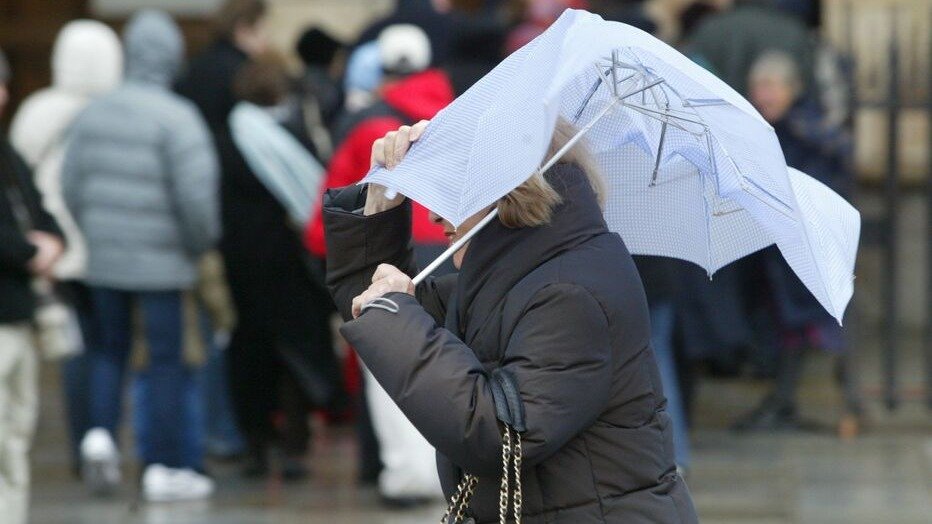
pixel 663 116
pixel 646 83
pixel 456 246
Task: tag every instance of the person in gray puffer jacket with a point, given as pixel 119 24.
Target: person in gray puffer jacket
pixel 140 178
pixel 141 173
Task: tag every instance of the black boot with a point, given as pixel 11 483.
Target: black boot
pixel 771 415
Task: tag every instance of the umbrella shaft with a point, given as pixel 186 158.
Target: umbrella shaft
pixel 456 246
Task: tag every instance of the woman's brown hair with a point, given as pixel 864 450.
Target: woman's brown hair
pixel 262 81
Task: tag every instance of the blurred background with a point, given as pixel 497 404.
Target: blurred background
pixel 781 417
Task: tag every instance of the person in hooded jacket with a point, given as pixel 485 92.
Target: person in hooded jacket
pixel 87 61
pixel 538 349
pixel 140 178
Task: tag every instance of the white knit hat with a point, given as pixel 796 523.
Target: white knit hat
pixel 404 49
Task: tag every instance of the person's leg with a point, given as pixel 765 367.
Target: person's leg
pixel 195 438
pixel 172 442
pixel 304 344
pixel 223 437
pixel 107 355
pixel 661 321
pixel 18 409
pixel 252 373
pixel 410 470
pixel 370 465
pixel 195 328
pixel 778 409
pixel 75 385
pixel 165 377
pixel 295 434
pixel 75 375
pixel 787 381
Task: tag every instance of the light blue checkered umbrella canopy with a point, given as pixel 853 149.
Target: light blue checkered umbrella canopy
pixel 693 171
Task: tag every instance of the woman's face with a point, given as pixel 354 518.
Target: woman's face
pixel 772 96
pixel 456 233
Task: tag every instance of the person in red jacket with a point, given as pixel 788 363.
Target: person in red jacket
pixel 409 93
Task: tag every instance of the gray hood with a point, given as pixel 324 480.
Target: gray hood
pixel 154 48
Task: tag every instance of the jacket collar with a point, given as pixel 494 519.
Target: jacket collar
pixel 499 257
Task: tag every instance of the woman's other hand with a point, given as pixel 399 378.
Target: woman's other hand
pixel 388 151
pixel 387 279
pixel 49 249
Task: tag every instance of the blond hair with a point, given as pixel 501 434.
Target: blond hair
pixel 532 203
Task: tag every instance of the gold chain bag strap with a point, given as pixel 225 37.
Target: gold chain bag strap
pixel 510 411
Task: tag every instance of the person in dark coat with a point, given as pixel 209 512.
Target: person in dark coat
pixel 319 94
pixel 421 13
pixel 263 261
pixel 239 34
pixel 477 45
pixel 30 244
pixel 544 330
pixel 282 337
pixel 823 151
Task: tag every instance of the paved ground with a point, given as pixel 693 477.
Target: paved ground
pixel 884 476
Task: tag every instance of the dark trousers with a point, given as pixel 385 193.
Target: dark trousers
pixel 281 359
pixel 75 371
pixel 158 315
pixel 261 384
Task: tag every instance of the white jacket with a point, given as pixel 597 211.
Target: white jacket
pixel 87 60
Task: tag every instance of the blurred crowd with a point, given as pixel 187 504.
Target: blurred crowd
pixel 160 236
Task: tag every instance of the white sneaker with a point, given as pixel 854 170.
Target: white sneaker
pixel 100 461
pixel 162 484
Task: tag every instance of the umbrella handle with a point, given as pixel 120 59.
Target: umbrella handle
pixel 456 246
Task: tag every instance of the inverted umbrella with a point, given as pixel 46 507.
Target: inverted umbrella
pixel 694 172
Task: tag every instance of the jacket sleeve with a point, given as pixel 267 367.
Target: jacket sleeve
pixel 15 250
pixel 194 179
pixel 357 244
pixel 44 221
pixel 349 165
pixel 563 370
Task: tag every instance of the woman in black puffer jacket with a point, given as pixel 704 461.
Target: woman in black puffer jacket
pixel 545 329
